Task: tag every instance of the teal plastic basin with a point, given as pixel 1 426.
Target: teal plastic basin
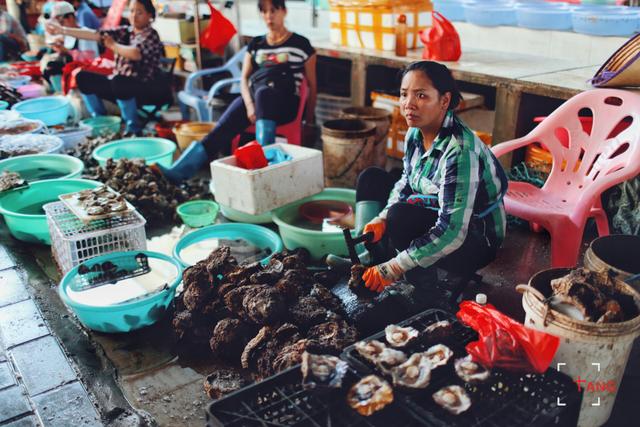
pixel 318 243
pixel 22 208
pixel 4 105
pixel 259 236
pixel 125 316
pixel 36 167
pixel 102 125
pixel 152 150
pixel 51 110
pixel 198 213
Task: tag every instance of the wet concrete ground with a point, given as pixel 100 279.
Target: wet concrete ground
pixel 137 379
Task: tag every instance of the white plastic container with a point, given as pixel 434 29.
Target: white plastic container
pixel 595 352
pixel 73 242
pixel 260 190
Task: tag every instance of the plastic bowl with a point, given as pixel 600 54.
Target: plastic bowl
pixel 102 125
pixel 17 81
pixel 31 90
pixel 544 18
pixel 256 234
pixel 605 22
pixel 318 210
pixel 165 129
pixel 152 150
pixel 127 316
pixel 73 136
pixel 22 208
pixel 26 143
pixel 18 126
pixel 318 243
pixel 51 110
pixel 491 15
pixel 186 133
pixel 4 105
pixel 453 10
pixel 37 167
pixel 198 213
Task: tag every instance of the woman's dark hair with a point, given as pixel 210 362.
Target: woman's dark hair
pixel 440 77
pixel 148 6
pixel 277 4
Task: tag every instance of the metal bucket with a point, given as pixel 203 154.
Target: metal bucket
pixel 382 120
pixel 347 146
pixel 595 352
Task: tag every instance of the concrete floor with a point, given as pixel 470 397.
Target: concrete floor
pixel 137 376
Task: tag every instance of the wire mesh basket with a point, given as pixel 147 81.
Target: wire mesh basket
pixel 73 241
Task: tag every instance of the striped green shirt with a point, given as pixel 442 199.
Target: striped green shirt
pixel 467 183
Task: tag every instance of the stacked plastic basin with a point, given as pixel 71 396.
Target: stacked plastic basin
pixel 592 19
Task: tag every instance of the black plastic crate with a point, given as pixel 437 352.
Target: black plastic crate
pixel 505 399
pixel 281 400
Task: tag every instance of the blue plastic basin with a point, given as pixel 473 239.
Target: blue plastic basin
pixel 37 167
pixel 606 22
pixel 152 150
pixel 22 208
pixel 257 235
pixel 4 105
pixel 544 18
pixel 126 316
pixel 490 15
pixel 51 110
pixel 453 10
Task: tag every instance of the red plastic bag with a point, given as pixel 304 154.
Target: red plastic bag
pixel 505 343
pixel 441 41
pixel 219 32
pixel 251 156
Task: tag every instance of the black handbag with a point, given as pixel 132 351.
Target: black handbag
pixel 278 77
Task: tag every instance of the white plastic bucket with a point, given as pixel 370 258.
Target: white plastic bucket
pixel 594 352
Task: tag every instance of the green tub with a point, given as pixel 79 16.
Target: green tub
pixel 318 243
pixel 37 167
pixel 152 150
pixel 102 125
pixel 22 208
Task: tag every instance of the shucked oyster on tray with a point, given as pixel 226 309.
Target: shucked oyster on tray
pixel 438 355
pixel 370 395
pixel 323 370
pixel 400 337
pixel 370 350
pixel 414 373
pixel 453 398
pixel 470 371
pixel 389 359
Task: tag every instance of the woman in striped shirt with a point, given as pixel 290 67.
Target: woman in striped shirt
pixel 446 210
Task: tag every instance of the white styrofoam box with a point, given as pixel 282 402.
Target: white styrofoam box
pixel 260 190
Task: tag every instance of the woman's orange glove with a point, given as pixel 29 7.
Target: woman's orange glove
pixel 377 226
pixel 380 276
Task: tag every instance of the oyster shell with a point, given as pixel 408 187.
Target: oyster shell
pixel 323 370
pixel 370 350
pixel 438 355
pixel 400 337
pixel 437 332
pixel 370 395
pixel 414 373
pixel 390 358
pixel 470 371
pixel 453 398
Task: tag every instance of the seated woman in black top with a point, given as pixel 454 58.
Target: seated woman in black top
pixel 137 77
pixel 266 106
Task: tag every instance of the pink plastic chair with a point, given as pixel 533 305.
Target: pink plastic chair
pixel 292 130
pixel 584 165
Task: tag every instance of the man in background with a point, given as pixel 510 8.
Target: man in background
pixel 13 39
pixel 85 16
